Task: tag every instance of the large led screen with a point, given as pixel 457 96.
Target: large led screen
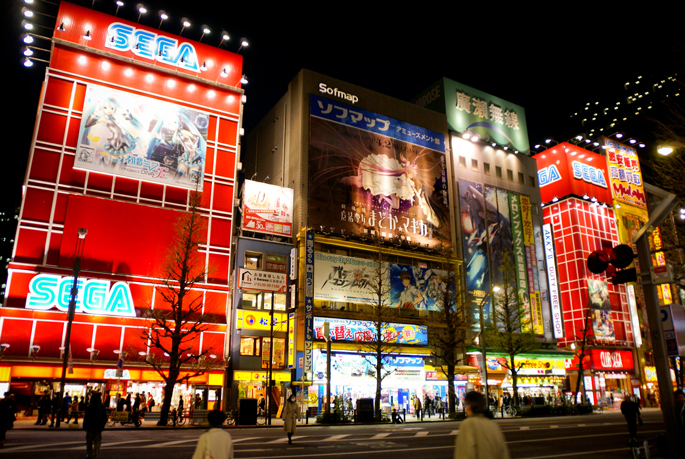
pixel 127 135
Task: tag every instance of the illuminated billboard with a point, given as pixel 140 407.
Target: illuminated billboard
pixel 141 138
pixel 267 209
pixel 373 174
pixel 624 174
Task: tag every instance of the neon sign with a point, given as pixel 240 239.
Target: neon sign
pixel 94 295
pixel 148 45
pixel 582 171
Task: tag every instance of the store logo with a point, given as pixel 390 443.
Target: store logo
pixel 250 320
pixel 610 359
pixel 148 45
pixel 548 175
pixel 94 295
pixel 582 171
pixel 334 92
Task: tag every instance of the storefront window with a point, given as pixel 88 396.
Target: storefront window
pixel 262 300
pixel 278 355
pixel 252 300
pixel 249 346
pixel 253 260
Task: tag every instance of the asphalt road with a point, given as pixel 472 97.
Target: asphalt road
pixel 596 436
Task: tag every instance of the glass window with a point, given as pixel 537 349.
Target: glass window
pixel 531 180
pixel 276 263
pixel 253 260
pixel 252 300
pixel 522 179
pixel 278 355
pixel 498 171
pixel 279 302
pixel 486 168
pixel 462 161
pixel 249 346
pixel 510 175
pixel 474 164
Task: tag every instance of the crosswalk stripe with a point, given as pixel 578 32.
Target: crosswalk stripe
pixel 236 440
pixel 553 427
pixel 283 440
pixel 524 428
pixel 169 443
pixel 421 434
pixel 336 437
pixel 379 436
pixel 454 432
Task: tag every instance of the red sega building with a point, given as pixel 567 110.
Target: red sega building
pixel 129 119
pixel 579 219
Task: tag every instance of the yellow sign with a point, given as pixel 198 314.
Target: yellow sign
pixel 259 320
pixel 650 374
pixel 278 376
pixel 625 178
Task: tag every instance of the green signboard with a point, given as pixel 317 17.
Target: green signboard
pixel 479 112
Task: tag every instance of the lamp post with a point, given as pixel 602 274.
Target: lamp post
pixel 481 339
pixel 78 253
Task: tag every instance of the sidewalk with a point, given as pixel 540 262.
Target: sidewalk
pixel 29 423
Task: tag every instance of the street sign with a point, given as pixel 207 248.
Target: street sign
pixel 673 327
pixel 661 274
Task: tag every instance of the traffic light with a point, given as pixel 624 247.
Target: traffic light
pixel 613 262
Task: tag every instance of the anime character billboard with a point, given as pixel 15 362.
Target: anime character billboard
pixel 412 287
pixel 141 138
pixel 370 173
pixel 600 305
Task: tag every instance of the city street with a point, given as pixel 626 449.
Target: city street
pixel 601 436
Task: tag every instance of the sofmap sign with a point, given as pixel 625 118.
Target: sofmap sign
pixel 95 296
pixel 552 279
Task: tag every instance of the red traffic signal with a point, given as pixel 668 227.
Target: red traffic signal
pixel 608 260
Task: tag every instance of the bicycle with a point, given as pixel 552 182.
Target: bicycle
pixel 261 417
pixel 174 419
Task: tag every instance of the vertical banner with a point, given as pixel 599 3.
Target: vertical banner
pixel 308 303
pixel 519 253
pixel 291 340
pixel 475 242
pixel 600 304
pixel 531 262
pixel 552 281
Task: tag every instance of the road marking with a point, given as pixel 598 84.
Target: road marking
pixel 169 443
pixel 283 440
pixel 524 428
pixel 356 453
pixel 553 427
pixel 379 436
pixel 236 440
pixel 421 434
pixel 454 432
pixel 19 448
pixel 336 437
pixel 584 453
pixel 581 425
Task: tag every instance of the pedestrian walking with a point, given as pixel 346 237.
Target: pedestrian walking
pixel 479 437
pixel 417 408
pixel 290 416
pixel 631 411
pixel 73 410
pixel 6 416
pixel 94 421
pixel 438 406
pixel 55 410
pixel 44 405
pixel 216 442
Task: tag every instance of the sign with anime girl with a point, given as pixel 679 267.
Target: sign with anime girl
pixel 373 174
pixel 141 138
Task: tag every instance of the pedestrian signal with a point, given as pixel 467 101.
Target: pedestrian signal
pixel 613 262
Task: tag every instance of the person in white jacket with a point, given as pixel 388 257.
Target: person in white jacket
pixel 216 440
pixel 479 437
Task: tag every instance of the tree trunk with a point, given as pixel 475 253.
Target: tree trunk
pixel 170 382
pixel 514 380
pixel 450 389
pixel 377 402
pixel 578 382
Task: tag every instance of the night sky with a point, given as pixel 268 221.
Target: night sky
pixel 551 60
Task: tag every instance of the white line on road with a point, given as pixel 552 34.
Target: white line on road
pixel 454 432
pixel 553 427
pixel 584 453
pixel 336 437
pixel 379 436
pixel 169 443
pixel 582 425
pixel 421 434
pixel 282 440
pixel 19 448
pixel 524 428
pixel 236 440
pixel 356 453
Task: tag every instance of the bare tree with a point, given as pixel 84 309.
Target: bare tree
pixel 581 349
pixel 449 331
pixel 509 329
pixel 173 328
pixel 379 342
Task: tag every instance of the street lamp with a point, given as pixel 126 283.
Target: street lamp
pixel 481 339
pixel 78 253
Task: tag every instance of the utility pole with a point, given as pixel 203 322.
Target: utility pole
pixel 641 240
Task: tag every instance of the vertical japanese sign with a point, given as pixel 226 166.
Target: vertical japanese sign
pixel 519 253
pixel 291 340
pixel 624 174
pixel 308 303
pixel 553 281
pixel 531 262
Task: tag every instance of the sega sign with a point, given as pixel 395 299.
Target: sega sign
pixel 568 170
pixel 95 296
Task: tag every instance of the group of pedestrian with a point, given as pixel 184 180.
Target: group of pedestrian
pixel 8 411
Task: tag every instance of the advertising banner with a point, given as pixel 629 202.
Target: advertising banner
pixel 612 360
pixel 362 330
pixel 553 281
pixel 349 279
pixel 531 262
pixel 267 209
pixel 499 229
pixel 600 303
pixel 263 281
pixel 624 174
pixel 519 253
pixel 369 172
pixel 350 368
pixel 475 243
pixel 132 136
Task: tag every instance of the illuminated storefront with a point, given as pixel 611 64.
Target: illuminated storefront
pixel 123 133
pixel 606 373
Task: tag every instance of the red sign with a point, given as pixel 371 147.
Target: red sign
pixel 603 359
pixel 566 169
